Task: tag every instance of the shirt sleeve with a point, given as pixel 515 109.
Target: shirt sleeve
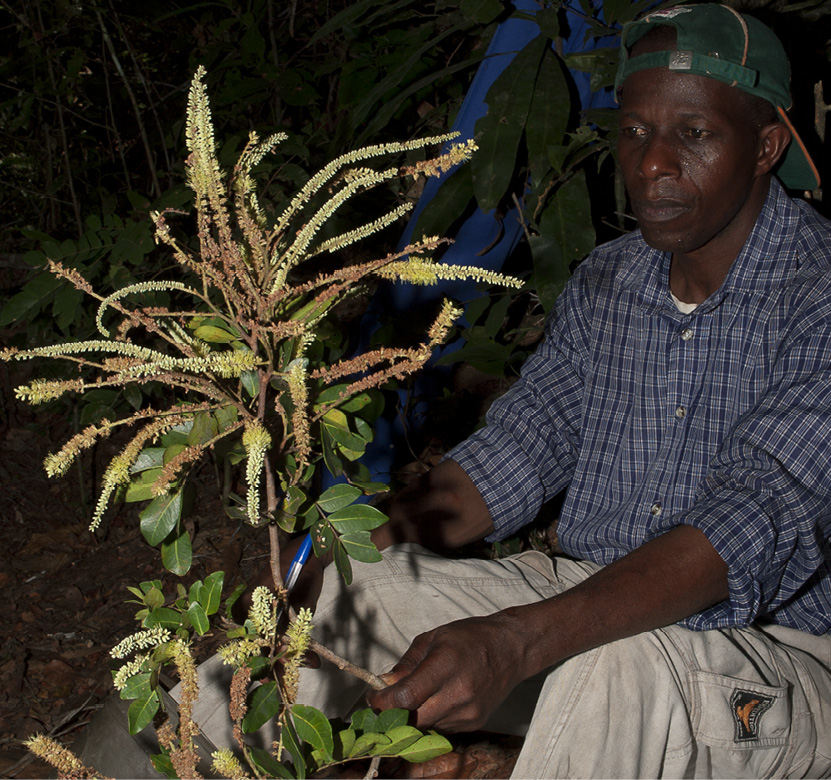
pixel 528 449
pixel 765 503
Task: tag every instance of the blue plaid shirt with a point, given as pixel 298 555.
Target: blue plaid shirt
pixel 719 419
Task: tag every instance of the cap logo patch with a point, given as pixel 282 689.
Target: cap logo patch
pixel 748 708
pixel 680 60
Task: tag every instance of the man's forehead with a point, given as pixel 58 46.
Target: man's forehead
pixel 682 95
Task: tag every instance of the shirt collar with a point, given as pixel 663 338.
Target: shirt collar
pixel 763 263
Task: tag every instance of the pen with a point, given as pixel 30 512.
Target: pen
pixel 297 563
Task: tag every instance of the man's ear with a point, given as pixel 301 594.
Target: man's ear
pixel 773 141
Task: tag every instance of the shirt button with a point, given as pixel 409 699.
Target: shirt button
pixel 681 412
pixel 686 334
pixel 656 509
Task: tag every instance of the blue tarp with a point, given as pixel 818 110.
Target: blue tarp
pixel 479 231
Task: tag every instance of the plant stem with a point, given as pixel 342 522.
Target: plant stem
pixel 372 772
pixel 373 680
pixel 274 558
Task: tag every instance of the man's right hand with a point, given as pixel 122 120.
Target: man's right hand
pixel 455 676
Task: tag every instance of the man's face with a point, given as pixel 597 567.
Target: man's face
pixel 689 153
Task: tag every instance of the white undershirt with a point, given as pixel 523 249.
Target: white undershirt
pixel 684 308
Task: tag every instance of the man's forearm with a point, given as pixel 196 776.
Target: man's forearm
pixel 442 511
pixel 666 580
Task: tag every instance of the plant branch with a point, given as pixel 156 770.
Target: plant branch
pixel 372 772
pixel 274 545
pixel 373 680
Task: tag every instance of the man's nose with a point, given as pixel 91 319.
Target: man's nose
pixel 659 157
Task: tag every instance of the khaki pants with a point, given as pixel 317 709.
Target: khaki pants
pixel 667 703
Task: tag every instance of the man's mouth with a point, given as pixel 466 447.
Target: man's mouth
pixel 657 209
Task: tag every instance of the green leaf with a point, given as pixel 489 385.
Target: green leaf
pixel 172 451
pixel 400 738
pixel 198 618
pixel 30 300
pixel 429 746
pixel 267 763
pixel 346 741
pixel 204 429
pixel 336 424
pixel 481 11
pixel 294 500
pixel 342 562
pixel 164 617
pixel 193 594
pixel 133 396
pixel 233 598
pixel 360 547
pixel 364 720
pixel 498 133
pixel 65 306
pixel 548 21
pixel 313 727
pixel 356 403
pixel 136 686
pixel 322 537
pixel 292 743
pixel 259 665
pixel 263 705
pixel 370 488
pixel 390 719
pixel 251 382
pixel 214 335
pixel 149 458
pixel 160 517
pixel 366 742
pixel 178 434
pixel 330 457
pixel 177 555
pixel 141 711
pixel 164 765
pixel 225 417
pixel 211 593
pixel 331 395
pixel 337 496
pixel 566 234
pixel 548 115
pixel 141 489
pixel 154 598
pixel 357 517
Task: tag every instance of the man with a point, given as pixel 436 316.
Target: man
pixel 682 395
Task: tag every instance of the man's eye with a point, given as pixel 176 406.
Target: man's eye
pixel 696 133
pixel 634 131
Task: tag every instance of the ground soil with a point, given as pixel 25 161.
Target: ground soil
pixel 65 591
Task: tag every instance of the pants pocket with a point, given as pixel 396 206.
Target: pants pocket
pixel 745 725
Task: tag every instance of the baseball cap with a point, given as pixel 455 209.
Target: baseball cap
pixel 717 41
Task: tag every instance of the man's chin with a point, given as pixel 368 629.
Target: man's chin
pixel 662 239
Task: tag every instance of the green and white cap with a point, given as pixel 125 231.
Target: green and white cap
pixel 716 41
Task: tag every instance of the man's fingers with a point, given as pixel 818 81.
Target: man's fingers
pixel 414 679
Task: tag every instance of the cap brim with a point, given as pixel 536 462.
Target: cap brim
pixel 796 170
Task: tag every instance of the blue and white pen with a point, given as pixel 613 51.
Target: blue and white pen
pixel 297 563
